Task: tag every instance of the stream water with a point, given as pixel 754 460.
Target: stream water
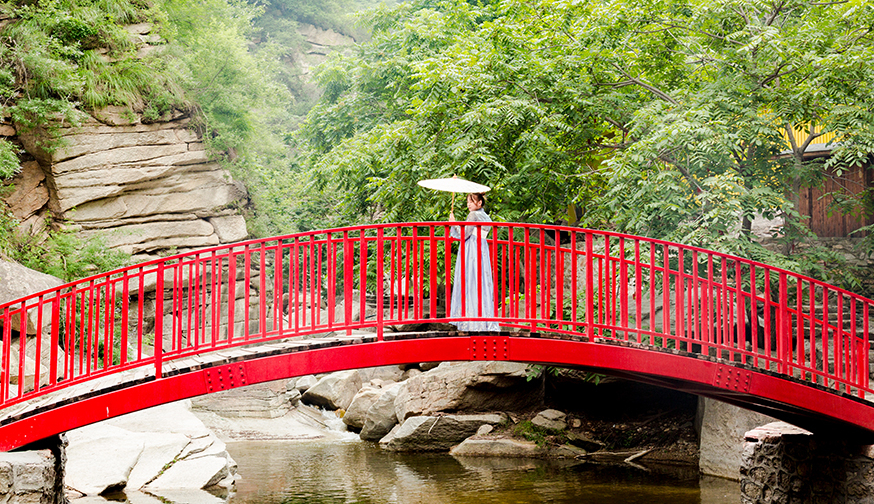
pixel 352 471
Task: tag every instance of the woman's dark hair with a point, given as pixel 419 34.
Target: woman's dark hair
pixel 479 197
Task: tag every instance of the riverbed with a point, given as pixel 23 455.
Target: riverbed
pixel 352 471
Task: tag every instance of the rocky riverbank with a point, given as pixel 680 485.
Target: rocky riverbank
pixel 466 409
pixel 471 409
pixel 160 454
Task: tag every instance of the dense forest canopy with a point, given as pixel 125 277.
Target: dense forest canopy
pixel 664 118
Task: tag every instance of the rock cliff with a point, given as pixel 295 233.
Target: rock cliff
pixel 145 188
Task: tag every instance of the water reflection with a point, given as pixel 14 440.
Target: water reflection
pixel 337 471
pixel 356 472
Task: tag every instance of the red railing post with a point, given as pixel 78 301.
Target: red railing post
pixel 447 264
pixel 262 290
pixel 232 293
pixel 865 378
pixel 55 335
pixel 590 293
pixel 432 281
pixel 6 357
pixel 38 351
pixel 494 250
pixel 462 267
pixel 22 340
pixel 331 274
pixel 247 287
pixel 783 343
pixel 379 284
pixel 623 294
pixel 416 281
pixel 362 277
pixel 841 370
pixel 573 286
pixel 479 271
pixel 348 275
pixel 159 322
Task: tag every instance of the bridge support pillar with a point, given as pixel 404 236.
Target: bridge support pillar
pixel 35 474
pixel 784 464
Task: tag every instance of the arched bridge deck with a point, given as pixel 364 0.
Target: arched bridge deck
pixel 658 312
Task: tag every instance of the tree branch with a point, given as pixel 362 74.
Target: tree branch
pixel 635 81
pixel 777 74
pixel 778 9
pixel 800 149
pixel 667 158
pixel 687 28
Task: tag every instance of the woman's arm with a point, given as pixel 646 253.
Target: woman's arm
pixel 455 231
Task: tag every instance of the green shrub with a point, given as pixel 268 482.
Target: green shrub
pixel 9 164
pixel 62 254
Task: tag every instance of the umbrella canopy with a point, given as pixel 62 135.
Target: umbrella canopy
pixel 454 185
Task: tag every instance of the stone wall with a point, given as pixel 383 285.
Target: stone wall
pixel 722 430
pixel 784 464
pixel 849 249
pixel 35 476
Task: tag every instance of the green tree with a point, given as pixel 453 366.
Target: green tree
pixel 447 88
pixel 664 118
pixel 706 92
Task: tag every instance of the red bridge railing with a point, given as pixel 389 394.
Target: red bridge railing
pixel 595 285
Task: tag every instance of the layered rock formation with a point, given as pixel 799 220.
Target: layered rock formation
pixel 144 188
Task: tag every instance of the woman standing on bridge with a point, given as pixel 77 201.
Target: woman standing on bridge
pixel 476 253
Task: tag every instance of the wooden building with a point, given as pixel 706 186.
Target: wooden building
pixel 825 218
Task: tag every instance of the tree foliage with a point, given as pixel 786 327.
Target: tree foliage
pixel 663 118
pixel 707 91
pixel 443 89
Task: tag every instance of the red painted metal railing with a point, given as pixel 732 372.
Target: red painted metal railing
pixel 546 279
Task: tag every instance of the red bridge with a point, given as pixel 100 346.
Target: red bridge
pixel 658 312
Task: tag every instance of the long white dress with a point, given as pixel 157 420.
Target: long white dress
pixel 471 266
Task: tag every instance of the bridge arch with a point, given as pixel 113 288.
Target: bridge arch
pixel 663 313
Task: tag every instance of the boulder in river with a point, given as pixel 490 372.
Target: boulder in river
pixel 468 386
pixel 501 447
pixel 334 391
pixel 303 383
pixel 161 447
pixel 356 414
pixel 430 433
pixel 381 417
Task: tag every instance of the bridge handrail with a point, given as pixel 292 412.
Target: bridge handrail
pixel 515 225
pixel 172 308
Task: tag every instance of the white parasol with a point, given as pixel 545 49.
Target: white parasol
pixel 454 185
